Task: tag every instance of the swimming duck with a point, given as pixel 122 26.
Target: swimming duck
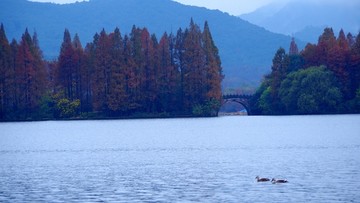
pixel 278 181
pixel 261 179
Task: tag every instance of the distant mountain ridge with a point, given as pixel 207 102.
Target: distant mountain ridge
pixel 246 50
pixel 306 20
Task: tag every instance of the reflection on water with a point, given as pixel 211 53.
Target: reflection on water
pixel 206 160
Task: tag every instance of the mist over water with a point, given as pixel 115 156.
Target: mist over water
pixel 169 160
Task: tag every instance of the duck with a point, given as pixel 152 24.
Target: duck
pixel 261 179
pixel 274 181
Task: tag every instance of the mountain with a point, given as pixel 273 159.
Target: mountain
pixel 306 20
pixel 246 50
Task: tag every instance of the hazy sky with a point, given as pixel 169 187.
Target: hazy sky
pixel 234 7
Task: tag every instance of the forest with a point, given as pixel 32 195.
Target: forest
pixel 134 75
pixel 324 78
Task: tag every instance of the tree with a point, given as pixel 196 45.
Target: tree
pixel 78 62
pixel 148 70
pixel 354 67
pixel 213 69
pixel 326 42
pixel 168 76
pixel 131 78
pixel 117 98
pixel 87 74
pixel 350 39
pixel 324 78
pixel 293 48
pixel 278 73
pixel 310 91
pixel 310 55
pixel 112 76
pixel 102 72
pixel 178 58
pixel 194 73
pixel 6 76
pixel 66 67
pixel 338 57
pixel 138 74
pixel 30 76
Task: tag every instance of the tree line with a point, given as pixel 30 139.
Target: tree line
pixel 113 76
pixel 323 78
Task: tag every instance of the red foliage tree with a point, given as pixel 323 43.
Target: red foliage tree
pixel 6 76
pixel 30 76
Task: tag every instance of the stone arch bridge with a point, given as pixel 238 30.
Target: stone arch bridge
pixel 242 99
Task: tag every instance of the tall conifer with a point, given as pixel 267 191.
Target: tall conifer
pixel 213 68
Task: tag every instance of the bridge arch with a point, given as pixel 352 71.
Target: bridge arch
pixel 244 100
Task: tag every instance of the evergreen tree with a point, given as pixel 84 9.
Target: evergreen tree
pixel 279 69
pixel 293 48
pixel 296 61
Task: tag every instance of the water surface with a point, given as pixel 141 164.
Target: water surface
pixel 182 160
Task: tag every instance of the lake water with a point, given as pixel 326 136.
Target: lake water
pixel 182 160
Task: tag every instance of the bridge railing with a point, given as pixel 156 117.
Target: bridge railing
pixel 240 96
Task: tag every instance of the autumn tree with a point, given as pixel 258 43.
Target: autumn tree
pixel 30 76
pixel 213 72
pixel 112 75
pixel 138 74
pixel 117 97
pixel 87 70
pixel 6 76
pixel 193 71
pixel 326 42
pixel 66 67
pixel 350 39
pixel 354 68
pixel 78 62
pixel 102 72
pixel 337 62
pixel 310 55
pixel 131 78
pixel 148 85
pixel 168 76
pixel 325 79
pixel 178 58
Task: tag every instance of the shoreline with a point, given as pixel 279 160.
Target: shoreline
pixel 165 117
